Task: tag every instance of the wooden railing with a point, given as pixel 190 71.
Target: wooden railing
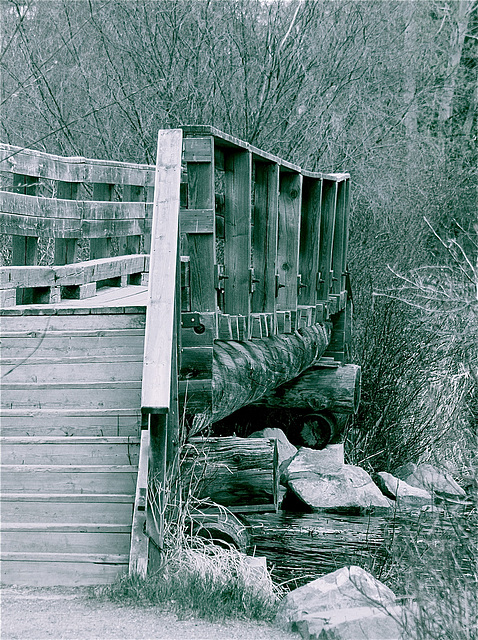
pixel 263 243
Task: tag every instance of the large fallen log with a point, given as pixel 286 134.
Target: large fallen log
pixel 336 389
pixel 245 371
pixel 233 472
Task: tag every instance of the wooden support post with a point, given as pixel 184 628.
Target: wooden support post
pixel 66 249
pixel 237 227
pixel 130 245
pixel 346 196
pixel 310 240
pixel 24 248
pixel 327 225
pixel 288 244
pixel 264 236
pixel 101 247
pixel 339 233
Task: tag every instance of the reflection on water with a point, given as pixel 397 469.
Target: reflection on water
pixel 300 547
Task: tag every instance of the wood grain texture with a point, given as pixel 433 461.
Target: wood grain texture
pixel 309 240
pixel 288 244
pixel 327 226
pixel 163 265
pixel 237 226
pixel 264 236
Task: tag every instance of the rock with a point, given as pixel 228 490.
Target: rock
pixel 349 601
pixel 286 451
pixel 428 477
pixel 402 492
pixel 319 480
pixel 357 623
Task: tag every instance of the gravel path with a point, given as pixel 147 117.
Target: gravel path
pixel 71 614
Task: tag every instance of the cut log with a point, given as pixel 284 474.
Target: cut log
pixel 232 471
pixel 335 389
pixel 244 371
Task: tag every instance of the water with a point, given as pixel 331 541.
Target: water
pixel 300 547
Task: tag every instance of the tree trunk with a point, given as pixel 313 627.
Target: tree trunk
pixel 244 371
pixel 232 471
pixel 336 389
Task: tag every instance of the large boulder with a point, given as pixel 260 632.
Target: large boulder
pixel 428 477
pixel 348 602
pixel 399 490
pixel 285 450
pixel 322 482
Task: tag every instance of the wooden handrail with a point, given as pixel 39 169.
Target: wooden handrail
pixel 160 317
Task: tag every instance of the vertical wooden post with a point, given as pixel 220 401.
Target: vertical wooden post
pixel 288 244
pixel 327 225
pixel 310 240
pixel 346 233
pixel 264 236
pixel 339 233
pixel 24 248
pixel 159 388
pixel 237 229
pixel 201 246
pixel 130 245
pixel 66 248
pixel 101 247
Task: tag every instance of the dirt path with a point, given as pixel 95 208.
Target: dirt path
pixel 71 614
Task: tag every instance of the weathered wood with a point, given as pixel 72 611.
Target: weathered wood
pixel 201 246
pixel 290 198
pixel 244 372
pixel 327 225
pixel 53 508
pixel 339 237
pixel 309 240
pixel 237 225
pixel 163 266
pixel 138 557
pixel 336 389
pixel 74 169
pixel 264 236
pixel 231 471
pixel 59 570
pixel 83 541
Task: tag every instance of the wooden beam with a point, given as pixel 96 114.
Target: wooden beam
pixel 288 244
pixel 237 227
pixel 310 240
pixel 138 556
pixel 327 226
pixel 160 319
pixel 340 231
pixel 264 236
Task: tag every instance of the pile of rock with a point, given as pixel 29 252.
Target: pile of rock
pixel 322 481
pixel 348 604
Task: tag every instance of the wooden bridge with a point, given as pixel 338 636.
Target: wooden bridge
pixel 246 259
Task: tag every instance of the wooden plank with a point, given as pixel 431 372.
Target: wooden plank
pixel 139 544
pixel 66 511
pixel 196 362
pixel 66 249
pixel 99 269
pixel 59 479
pixel 60 573
pixel 237 226
pixel 127 396
pixel 345 236
pixel 264 235
pixel 309 240
pixel 327 226
pixel 288 244
pixel 339 238
pixel 67 372
pixel 197 150
pixel 26 276
pixel 101 247
pixel 196 221
pixel 69 453
pixel 38 325
pixel 163 266
pixel 73 169
pixel 51 349
pixel 196 394
pixel 201 246
pixel 65 541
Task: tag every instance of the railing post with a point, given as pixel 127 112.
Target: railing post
pixel 264 236
pixel 101 247
pixel 24 248
pixel 237 230
pixel 290 198
pixel 310 240
pixel 66 249
pixel 327 225
pixel 339 236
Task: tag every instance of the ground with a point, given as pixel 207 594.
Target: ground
pixel 71 614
